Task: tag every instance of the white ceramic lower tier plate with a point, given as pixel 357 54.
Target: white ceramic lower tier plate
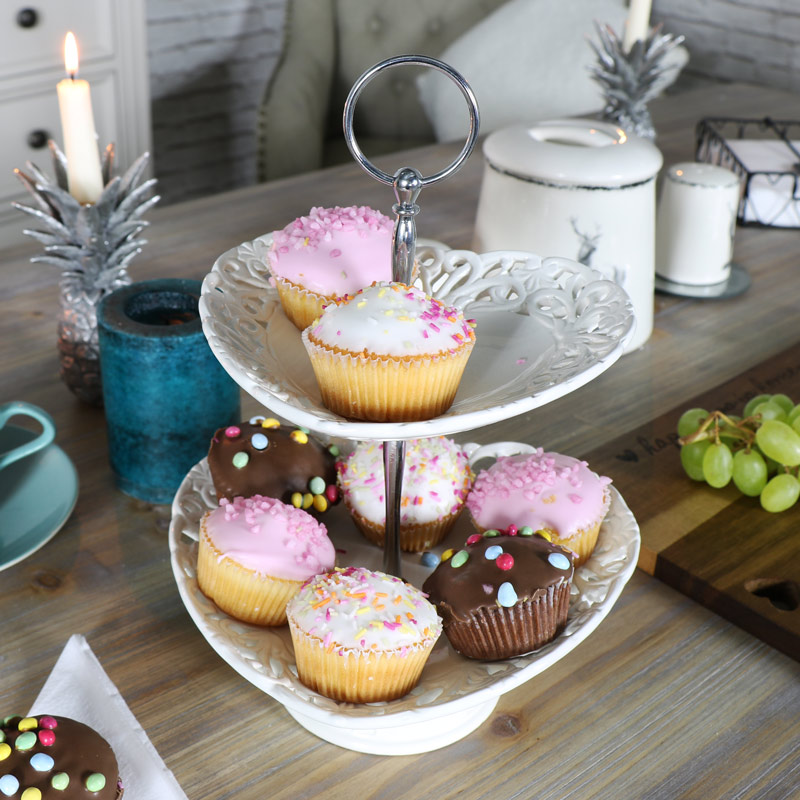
pixel 455 694
pixel 544 328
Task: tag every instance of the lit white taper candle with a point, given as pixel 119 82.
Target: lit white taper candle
pixel 638 25
pixel 84 173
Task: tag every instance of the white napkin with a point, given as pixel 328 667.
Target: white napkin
pixel 79 688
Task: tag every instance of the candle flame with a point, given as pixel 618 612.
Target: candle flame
pixel 70 54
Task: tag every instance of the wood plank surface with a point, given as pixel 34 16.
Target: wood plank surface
pixel 666 700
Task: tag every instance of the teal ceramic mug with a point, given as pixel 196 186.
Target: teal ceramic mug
pixel 19 408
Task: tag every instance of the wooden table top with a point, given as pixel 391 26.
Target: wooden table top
pixel 665 700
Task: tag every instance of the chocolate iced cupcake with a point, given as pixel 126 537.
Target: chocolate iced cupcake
pixel 46 757
pixel 504 594
pixel 263 457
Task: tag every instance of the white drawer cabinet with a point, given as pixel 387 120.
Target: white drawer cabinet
pixel 112 43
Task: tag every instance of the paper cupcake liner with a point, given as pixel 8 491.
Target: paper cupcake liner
pixel 414 537
pixel 301 306
pixel 356 676
pixel 386 388
pixel 493 633
pixel 244 594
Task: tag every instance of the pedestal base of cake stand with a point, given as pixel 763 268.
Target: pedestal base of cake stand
pixel 404 739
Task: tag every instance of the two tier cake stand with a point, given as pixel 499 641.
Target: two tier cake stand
pixel 544 328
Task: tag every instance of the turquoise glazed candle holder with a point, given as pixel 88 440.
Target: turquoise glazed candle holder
pixel 164 392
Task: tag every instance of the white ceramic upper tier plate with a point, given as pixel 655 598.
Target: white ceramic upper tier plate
pixel 544 328
pixel 455 694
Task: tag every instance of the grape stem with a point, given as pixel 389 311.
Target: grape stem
pixel 710 428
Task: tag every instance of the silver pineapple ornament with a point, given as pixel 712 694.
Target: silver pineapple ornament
pixel 92 245
pixel 631 79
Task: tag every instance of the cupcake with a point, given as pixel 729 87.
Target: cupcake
pixel 548 492
pixel 502 595
pixel 263 457
pixel 330 253
pixel 389 353
pixel 436 479
pixel 254 555
pixel 361 636
pixel 50 756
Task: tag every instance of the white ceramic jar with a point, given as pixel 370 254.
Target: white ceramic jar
pixel 696 223
pixel 576 188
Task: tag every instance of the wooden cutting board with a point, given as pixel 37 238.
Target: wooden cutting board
pixel 714 545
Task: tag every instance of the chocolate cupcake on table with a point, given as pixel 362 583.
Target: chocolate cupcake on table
pixel 504 594
pixel 264 457
pixel 49 756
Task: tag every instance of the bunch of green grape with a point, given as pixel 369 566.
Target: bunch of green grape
pixel 759 451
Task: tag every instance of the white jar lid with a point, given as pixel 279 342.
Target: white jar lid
pixel 573 152
pixel 709 176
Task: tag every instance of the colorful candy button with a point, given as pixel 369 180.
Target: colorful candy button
pixel 257 420
pixel 332 493
pixel 31 793
pixel 270 422
pixel 505 561
pixel 428 559
pixel 51 723
pixel 559 561
pixel 512 530
pixel 320 502
pixel 42 762
pixel 459 559
pixel 259 441
pixel 28 724
pixel 301 437
pixel 25 741
pixel 545 535
pixel 474 539
pixel 8 785
pixel 308 500
pixel 60 781
pixel 447 554
pixel 493 552
pixel 316 485
pixel 297 499
pixel 526 530
pixel 47 737
pixel 95 782
pixel 232 431
pixel 491 533
pixel 240 460
pixel 333 450
pixel 506 595
pixel 5 751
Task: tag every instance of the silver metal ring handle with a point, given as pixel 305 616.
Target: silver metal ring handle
pixel 423 61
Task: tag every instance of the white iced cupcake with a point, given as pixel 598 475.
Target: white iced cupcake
pixel 436 480
pixel 389 353
pixel 361 636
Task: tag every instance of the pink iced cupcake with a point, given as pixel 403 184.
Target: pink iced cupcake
pixel 547 492
pixel 255 553
pixel 329 253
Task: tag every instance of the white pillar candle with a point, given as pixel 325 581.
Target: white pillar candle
pixel 638 25
pixel 84 173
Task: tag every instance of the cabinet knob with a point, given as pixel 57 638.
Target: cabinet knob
pixel 38 139
pixel 27 17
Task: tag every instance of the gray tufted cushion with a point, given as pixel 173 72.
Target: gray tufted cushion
pixel 328 45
